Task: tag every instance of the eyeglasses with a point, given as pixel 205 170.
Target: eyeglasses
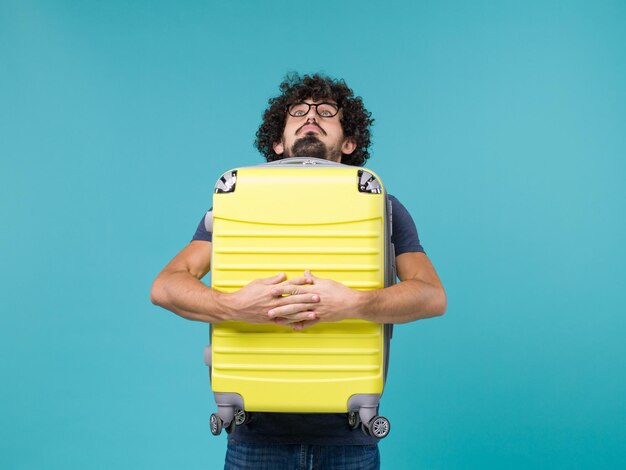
pixel 325 110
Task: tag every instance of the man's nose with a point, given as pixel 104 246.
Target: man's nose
pixel 311 113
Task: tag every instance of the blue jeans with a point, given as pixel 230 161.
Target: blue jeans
pixel 243 456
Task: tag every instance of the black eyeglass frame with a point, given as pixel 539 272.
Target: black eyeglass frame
pixel 332 105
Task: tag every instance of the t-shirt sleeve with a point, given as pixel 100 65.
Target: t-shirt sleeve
pixel 205 228
pixel 403 232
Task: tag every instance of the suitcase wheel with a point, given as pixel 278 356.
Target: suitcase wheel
pixel 216 424
pixel 378 427
pixel 241 417
pixel 231 427
pixel 354 419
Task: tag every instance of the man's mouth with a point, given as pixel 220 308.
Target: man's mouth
pixel 309 128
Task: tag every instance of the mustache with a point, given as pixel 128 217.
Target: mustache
pixel 311 124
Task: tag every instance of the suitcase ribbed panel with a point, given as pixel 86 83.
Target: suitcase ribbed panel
pixel 272 367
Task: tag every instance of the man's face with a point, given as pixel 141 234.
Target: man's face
pixel 314 135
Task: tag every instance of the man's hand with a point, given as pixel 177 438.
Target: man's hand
pixel 419 294
pixel 334 302
pixel 251 303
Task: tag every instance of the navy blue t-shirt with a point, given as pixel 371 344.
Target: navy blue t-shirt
pixel 319 428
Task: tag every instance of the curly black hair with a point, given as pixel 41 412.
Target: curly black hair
pixel 355 120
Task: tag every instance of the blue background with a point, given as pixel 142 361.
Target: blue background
pixel 500 125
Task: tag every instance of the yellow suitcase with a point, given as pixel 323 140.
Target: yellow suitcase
pixel 288 216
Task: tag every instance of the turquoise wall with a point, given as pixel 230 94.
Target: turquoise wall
pixel 500 125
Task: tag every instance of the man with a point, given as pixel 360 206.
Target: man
pixel 314 116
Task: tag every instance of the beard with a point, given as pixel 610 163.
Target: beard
pixel 310 146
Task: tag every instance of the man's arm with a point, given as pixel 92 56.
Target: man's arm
pixel 178 288
pixel 419 294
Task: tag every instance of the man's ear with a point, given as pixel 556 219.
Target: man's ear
pixel 278 147
pixel 348 146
